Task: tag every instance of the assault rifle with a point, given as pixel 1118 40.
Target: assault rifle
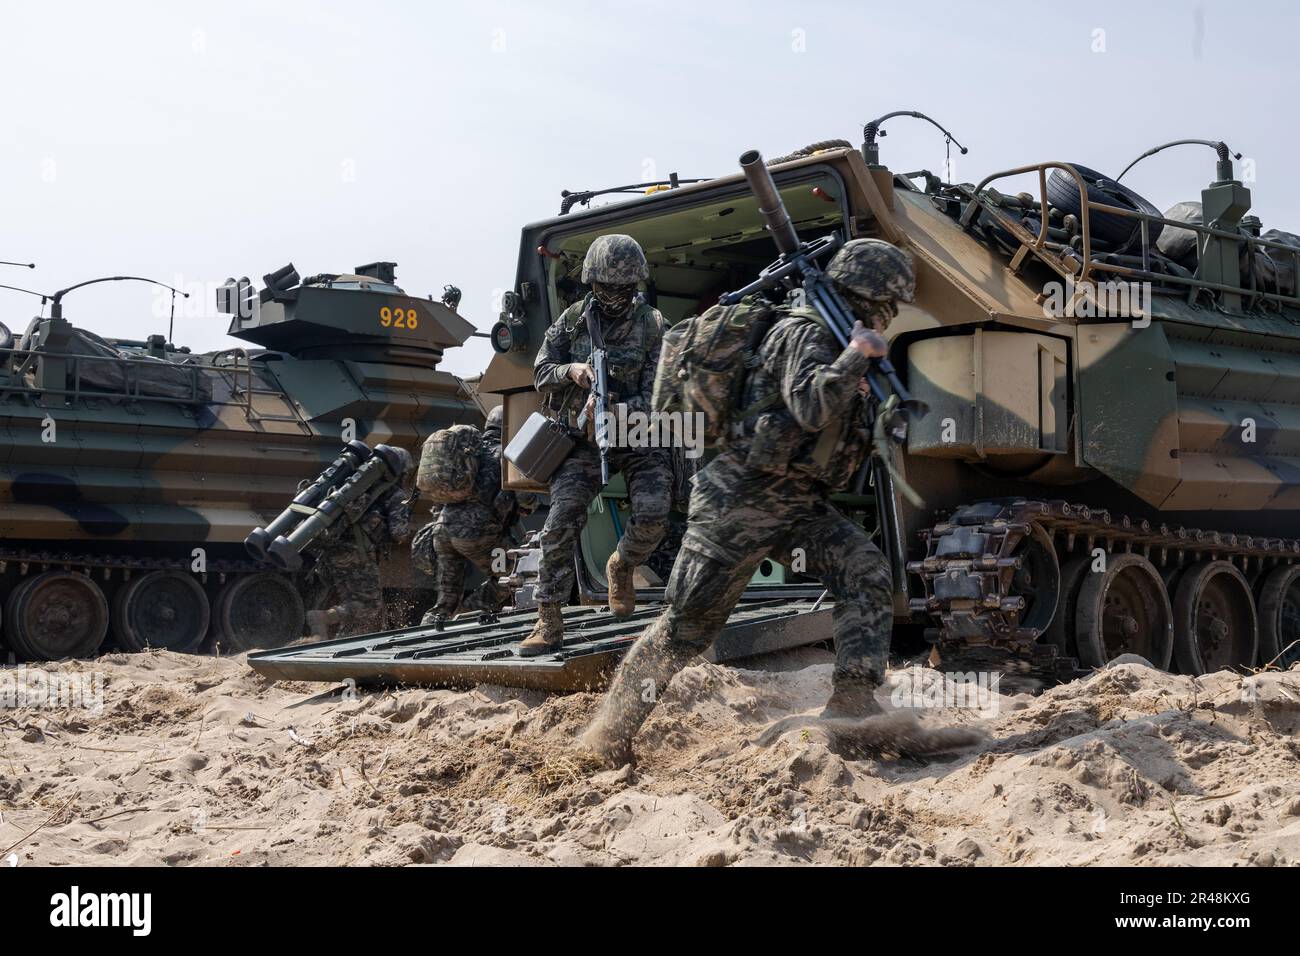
pixel 797 268
pixel 599 363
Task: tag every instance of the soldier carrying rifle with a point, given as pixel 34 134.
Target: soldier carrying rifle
pixel 631 332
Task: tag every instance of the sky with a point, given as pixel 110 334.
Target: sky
pixel 189 142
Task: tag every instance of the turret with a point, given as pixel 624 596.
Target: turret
pixel 363 316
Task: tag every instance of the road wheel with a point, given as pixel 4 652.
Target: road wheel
pixel 162 609
pixel 56 615
pixel 1279 616
pixel 257 611
pixel 1061 631
pixel 1214 619
pixel 1124 610
pixel 12 638
pixel 1037 580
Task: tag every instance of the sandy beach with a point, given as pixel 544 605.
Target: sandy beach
pixel 199 761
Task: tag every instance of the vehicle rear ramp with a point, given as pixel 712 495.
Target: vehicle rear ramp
pixel 483 649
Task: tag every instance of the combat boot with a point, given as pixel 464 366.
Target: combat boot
pixel 643 675
pixel 622 592
pixel 320 622
pixel 853 698
pixel 548 632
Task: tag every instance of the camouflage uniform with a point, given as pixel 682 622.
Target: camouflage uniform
pixel 349 563
pixel 633 343
pixel 471 531
pixel 767 495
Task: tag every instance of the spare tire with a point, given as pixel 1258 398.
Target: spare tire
pixel 1063 193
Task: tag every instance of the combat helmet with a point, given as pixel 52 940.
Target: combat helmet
pixel 398 459
pixel 615 260
pixel 874 275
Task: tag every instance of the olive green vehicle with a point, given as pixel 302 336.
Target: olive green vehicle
pixel 132 471
pixel 1110 463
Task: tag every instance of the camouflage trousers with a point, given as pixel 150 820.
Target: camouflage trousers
pixel 649 477
pixel 454 554
pixel 353 576
pixel 737 518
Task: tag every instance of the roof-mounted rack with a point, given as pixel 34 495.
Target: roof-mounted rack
pixel 571 198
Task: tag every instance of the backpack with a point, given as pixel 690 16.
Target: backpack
pixel 449 464
pixel 705 362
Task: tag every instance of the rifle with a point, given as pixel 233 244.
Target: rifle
pixel 599 362
pixel 797 267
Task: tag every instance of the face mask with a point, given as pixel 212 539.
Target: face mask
pixel 614 300
pixel 869 310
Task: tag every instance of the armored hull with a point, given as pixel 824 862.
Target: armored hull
pixel 132 472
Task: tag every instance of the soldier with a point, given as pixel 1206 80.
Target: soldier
pixel 474 531
pixel 767 493
pixel 633 333
pixel 348 563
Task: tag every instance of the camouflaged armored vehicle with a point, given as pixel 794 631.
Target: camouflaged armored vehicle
pixel 132 471
pixel 1111 461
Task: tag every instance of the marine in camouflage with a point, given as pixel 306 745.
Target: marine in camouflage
pixel 348 564
pixel 633 341
pixel 475 531
pixel 766 495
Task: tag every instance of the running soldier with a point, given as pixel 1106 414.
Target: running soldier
pixel 767 495
pixel 348 563
pixel 633 333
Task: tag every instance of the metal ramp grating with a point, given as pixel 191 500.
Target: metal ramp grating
pixel 481 650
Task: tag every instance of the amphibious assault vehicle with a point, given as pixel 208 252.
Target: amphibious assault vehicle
pixel 132 471
pixel 1110 463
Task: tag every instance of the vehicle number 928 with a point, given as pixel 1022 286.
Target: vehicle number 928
pixel 399 318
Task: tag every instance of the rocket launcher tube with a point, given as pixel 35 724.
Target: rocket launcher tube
pixel 353 455
pixel 361 490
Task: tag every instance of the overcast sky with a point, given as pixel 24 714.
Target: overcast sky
pixel 192 141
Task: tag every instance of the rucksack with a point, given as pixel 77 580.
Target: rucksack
pixel 705 362
pixel 449 464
